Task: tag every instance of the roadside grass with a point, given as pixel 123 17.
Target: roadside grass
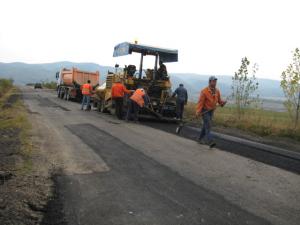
pixel 14 116
pixel 5 85
pixel 257 121
pixel 49 85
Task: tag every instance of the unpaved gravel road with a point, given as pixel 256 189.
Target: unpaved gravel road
pixel 112 172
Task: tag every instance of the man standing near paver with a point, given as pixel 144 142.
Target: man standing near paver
pixel 208 100
pixel 86 91
pixel 182 98
pixel 118 91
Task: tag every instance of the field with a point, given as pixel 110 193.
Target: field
pixel 257 121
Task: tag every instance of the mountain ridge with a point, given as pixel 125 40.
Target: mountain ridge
pixel 23 73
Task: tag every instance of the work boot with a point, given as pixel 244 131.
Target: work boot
pixel 201 141
pixel 211 144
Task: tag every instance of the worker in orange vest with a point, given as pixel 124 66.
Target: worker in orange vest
pixel 118 91
pixel 208 100
pixel 86 91
pixel 136 101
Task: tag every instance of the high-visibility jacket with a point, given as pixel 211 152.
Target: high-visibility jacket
pixel 118 90
pixel 209 99
pixel 86 89
pixel 138 97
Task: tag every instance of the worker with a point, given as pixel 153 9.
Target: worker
pixel 118 91
pixel 208 100
pixel 181 100
pixel 86 90
pixel 136 101
pixel 162 72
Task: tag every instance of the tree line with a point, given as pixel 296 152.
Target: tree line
pixel 244 87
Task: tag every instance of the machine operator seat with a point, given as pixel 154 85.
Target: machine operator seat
pixel 130 69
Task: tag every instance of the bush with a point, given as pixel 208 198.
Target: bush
pixel 50 85
pixel 5 85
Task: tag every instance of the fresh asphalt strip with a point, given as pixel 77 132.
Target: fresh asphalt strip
pixel 138 190
pixel 281 158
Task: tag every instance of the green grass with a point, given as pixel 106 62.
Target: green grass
pixel 50 85
pixel 16 117
pixel 5 85
pixel 257 121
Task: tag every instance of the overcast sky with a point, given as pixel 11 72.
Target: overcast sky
pixel 211 35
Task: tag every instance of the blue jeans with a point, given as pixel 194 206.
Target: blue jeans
pixel 206 127
pixel 85 100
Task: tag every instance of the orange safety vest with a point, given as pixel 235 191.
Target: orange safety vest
pixel 118 90
pixel 138 97
pixel 86 89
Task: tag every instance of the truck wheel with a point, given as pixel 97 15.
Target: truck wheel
pixel 67 95
pixel 58 92
pixel 62 93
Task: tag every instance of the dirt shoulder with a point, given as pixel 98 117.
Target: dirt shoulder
pixel 25 188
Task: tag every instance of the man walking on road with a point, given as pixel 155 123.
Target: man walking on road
pixel 182 98
pixel 136 101
pixel 118 91
pixel 86 91
pixel 208 100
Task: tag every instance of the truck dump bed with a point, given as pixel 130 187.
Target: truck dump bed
pixel 69 77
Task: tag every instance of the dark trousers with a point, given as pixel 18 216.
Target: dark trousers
pixel 179 109
pixel 119 107
pixel 132 111
pixel 206 127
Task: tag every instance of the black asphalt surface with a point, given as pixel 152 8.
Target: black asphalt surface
pixel 280 161
pixel 136 190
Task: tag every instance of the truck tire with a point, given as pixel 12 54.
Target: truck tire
pixel 58 92
pixel 62 93
pixel 67 94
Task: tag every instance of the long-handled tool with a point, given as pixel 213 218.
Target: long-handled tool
pixel 182 124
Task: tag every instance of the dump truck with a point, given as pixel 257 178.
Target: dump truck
pixel 161 103
pixel 69 82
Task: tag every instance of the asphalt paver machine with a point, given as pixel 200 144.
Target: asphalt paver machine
pixel 155 81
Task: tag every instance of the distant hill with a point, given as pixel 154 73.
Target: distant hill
pixel 23 73
pixel 269 89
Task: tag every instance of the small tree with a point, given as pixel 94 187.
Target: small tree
pixel 244 86
pixel 290 85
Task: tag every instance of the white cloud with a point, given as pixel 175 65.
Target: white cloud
pixel 212 36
